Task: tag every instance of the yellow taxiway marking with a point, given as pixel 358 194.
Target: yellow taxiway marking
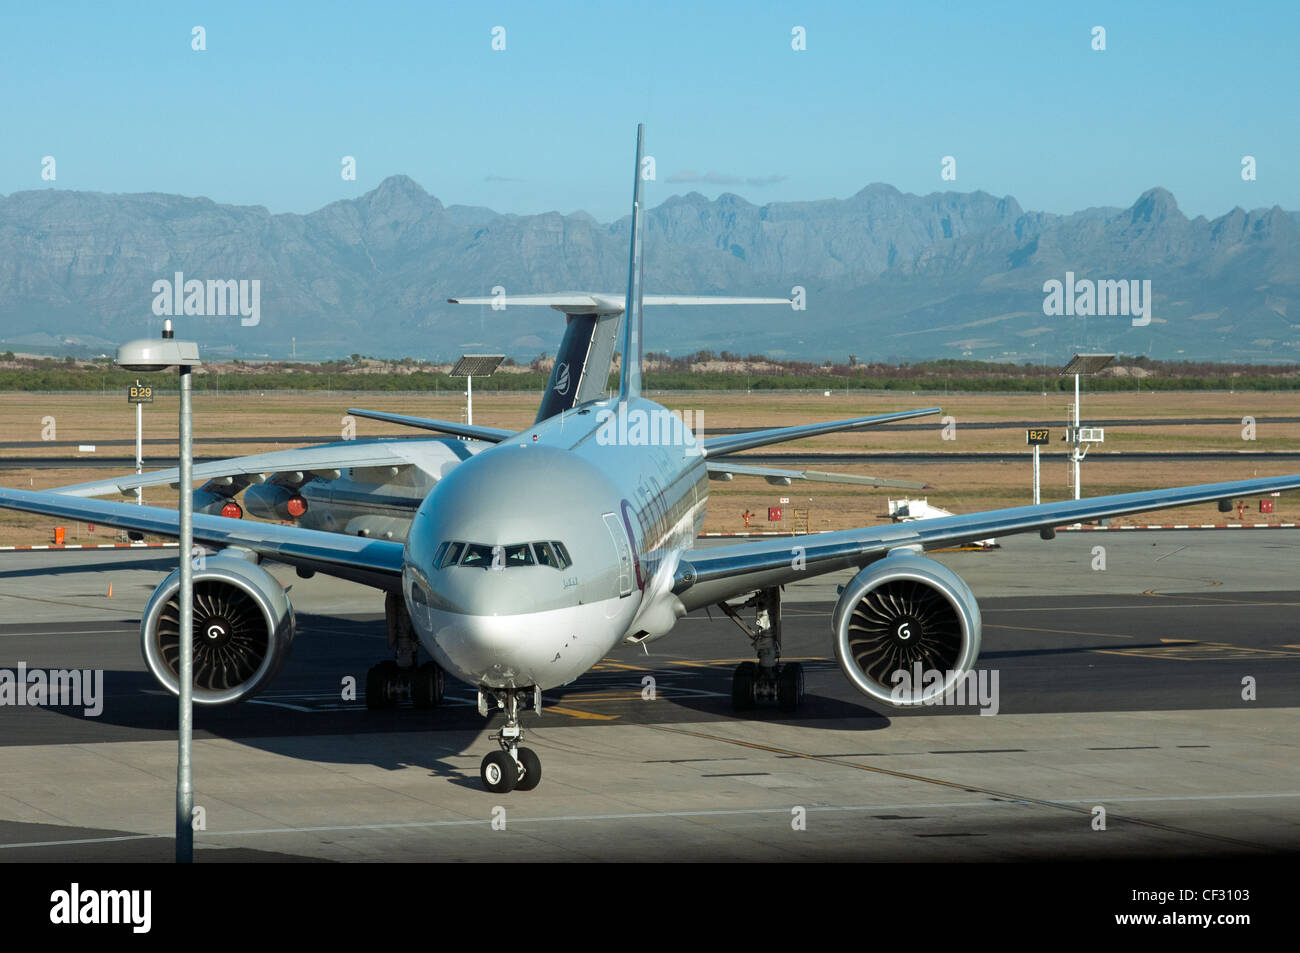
pixel 630 695
pixel 608 663
pixel 1186 650
pixel 1032 628
pixel 1230 602
pixel 704 663
pixel 575 713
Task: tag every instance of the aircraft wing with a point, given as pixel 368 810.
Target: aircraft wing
pixel 488 434
pixel 324 459
pixel 780 476
pixel 731 443
pixel 373 562
pixel 709 575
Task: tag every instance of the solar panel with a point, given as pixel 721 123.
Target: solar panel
pixel 1087 363
pixel 476 365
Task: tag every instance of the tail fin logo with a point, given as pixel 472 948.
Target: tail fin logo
pixel 562 380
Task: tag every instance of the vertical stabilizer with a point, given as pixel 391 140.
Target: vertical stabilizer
pixel 630 380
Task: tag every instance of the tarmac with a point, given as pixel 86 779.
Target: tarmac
pixel 1145 708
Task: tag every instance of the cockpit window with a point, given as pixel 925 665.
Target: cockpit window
pixel 518 555
pixel 483 556
pixel 551 554
pixel 563 553
pixel 477 555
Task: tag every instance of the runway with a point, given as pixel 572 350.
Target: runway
pixel 297 440
pixel 1118 688
pixel 1018 456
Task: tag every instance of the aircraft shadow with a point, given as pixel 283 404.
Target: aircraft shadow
pixel 163 564
pixel 135 708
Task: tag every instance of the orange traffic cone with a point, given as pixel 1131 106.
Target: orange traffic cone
pixel 110 590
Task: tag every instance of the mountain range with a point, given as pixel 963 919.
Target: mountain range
pixel 887 275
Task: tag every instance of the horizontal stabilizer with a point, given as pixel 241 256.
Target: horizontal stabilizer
pixel 731 443
pixel 591 302
pixel 488 434
pixel 781 476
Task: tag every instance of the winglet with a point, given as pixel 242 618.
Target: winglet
pixel 629 386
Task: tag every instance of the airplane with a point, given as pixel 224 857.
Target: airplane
pixel 373 486
pixel 530 560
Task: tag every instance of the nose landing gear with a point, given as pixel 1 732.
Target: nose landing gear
pixel 514 767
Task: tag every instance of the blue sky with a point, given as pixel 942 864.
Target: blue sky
pixel 1013 91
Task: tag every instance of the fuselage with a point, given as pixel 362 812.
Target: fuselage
pixel 529 561
pixel 381 501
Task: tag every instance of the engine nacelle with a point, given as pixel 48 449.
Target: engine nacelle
pixel 216 504
pixel 243 628
pixel 911 615
pixel 270 501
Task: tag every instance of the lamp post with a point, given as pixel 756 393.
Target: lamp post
pixel 1081 365
pixel 139 450
pixel 471 366
pixel 148 355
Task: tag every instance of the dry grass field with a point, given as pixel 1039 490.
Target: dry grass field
pixel 277 421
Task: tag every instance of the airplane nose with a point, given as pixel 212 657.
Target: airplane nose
pixel 545 649
pixel 488 592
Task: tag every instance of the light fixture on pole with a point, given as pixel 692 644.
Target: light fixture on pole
pixel 139 448
pixel 144 356
pixel 471 366
pixel 1080 365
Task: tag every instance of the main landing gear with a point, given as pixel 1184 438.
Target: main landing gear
pixel 400 677
pixel 513 768
pixel 768 679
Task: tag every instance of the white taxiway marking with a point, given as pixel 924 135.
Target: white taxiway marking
pixel 407 825
pixel 126 631
pixel 262 701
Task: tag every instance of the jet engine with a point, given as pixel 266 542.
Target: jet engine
pixel 271 501
pixel 216 504
pixel 906 629
pixel 243 628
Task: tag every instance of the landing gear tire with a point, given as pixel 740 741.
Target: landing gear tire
pixel 789 687
pixel 531 766
pixel 381 682
pixel 742 686
pixel 499 772
pixel 427 685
